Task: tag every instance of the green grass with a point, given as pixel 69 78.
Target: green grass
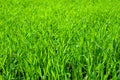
pixel 59 39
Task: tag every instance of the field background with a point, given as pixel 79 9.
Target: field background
pixel 59 39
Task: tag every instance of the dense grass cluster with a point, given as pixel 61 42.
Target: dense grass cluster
pixel 59 39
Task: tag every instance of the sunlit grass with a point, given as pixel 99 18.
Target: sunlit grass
pixel 59 40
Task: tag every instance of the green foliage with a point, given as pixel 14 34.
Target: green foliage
pixel 59 39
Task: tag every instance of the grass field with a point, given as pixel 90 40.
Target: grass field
pixel 59 39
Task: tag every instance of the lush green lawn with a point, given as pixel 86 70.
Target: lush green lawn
pixel 59 39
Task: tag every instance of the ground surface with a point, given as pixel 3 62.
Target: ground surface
pixel 59 39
